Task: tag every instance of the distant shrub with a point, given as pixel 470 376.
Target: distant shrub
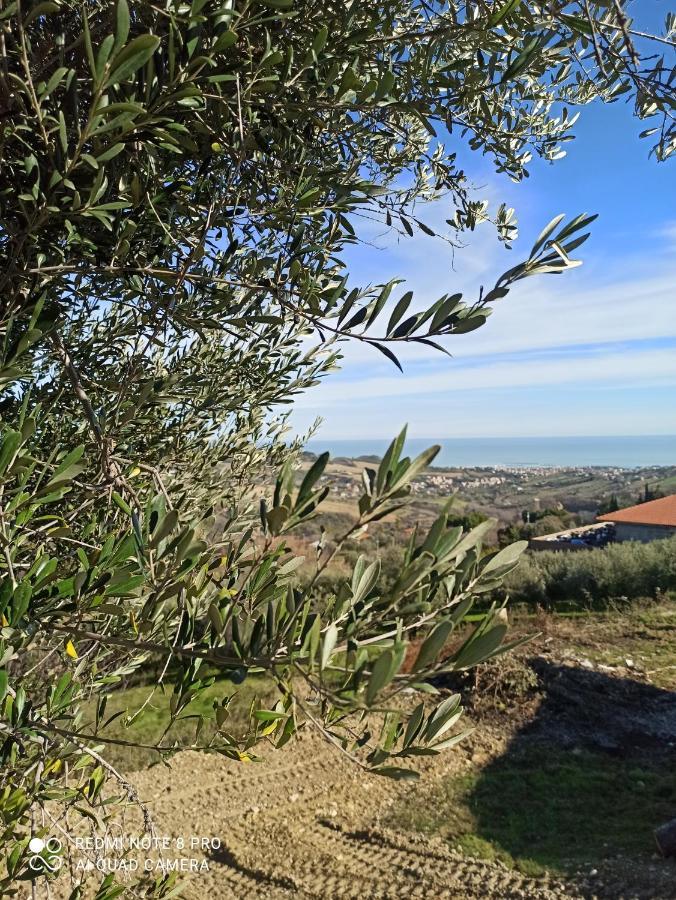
pixel 630 570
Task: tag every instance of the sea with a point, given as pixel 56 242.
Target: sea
pixel 626 452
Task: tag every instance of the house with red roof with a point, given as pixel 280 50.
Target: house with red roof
pixel 651 521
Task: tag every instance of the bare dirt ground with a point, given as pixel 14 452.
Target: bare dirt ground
pixel 306 824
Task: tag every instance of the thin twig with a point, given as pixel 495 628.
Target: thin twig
pixel 595 42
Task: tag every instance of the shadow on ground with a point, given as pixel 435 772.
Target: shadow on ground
pixel 587 776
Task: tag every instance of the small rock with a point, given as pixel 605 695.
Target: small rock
pixel 593 873
pixel 293 797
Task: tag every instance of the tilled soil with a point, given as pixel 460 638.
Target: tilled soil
pixel 305 823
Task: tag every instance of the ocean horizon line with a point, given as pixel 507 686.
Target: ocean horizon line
pixel 612 451
pixel 501 437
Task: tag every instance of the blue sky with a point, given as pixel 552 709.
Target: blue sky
pixel 588 352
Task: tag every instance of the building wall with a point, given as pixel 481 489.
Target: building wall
pixel 628 531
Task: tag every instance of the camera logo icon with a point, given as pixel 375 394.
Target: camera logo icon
pixel 45 855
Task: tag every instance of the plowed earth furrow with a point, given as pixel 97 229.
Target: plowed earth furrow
pixel 304 824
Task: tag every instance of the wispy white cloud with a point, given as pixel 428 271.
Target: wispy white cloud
pixel 614 368
pixel 548 412
pixel 631 299
pixel 587 352
pixel 668 231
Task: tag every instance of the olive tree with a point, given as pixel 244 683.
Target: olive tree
pixel 180 184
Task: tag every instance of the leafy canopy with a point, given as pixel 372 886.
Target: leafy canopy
pixel 179 185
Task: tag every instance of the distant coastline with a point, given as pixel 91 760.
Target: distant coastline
pixel 625 452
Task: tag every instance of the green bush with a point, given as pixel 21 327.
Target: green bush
pixel 629 570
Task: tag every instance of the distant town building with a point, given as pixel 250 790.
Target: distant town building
pixel 650 521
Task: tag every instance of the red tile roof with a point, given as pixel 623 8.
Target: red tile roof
pixel 655 512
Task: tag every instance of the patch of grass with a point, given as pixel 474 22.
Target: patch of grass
pixel 150 725
pixel 644 632
pixel 446 811
pixel 657 660
pixel 646 635
pixel 541 808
